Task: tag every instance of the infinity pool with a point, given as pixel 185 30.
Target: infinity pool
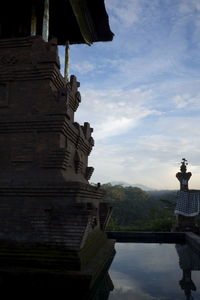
pixel 155 271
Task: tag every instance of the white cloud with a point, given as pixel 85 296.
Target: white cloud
pixel 114 126
pixel 139 294
pixel 114 112
pixel 122 281
pixel 83 67
pixel 124 13
pixel 187 100
pixel 127 288
pixel 108 163
pixel 137 268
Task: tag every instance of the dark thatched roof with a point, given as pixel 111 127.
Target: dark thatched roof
pixel 76 21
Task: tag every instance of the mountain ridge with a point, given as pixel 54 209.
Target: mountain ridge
pixel 125 184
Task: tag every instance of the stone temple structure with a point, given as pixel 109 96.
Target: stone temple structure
pixel 51 218
pixel 187 206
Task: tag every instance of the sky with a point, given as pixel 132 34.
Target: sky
pixel 141 93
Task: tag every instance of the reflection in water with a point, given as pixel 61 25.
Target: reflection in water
pixel 138 271
pixel 50 285
pixel 93 283
pixel 187 284
pixel 153 271
pixel 189 261
pixel 104 288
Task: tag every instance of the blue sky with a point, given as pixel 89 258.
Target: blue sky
pixel 141 92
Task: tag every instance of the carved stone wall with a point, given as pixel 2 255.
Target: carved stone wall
pixel 47 207
pixel 39 141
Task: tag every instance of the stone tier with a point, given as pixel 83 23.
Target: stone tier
pixel 40 142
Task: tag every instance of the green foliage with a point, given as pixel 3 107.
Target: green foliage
pixel 135 209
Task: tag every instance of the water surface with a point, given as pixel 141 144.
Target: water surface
pixel 155 271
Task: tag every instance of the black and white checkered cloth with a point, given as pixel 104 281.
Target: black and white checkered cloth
pixel 187 203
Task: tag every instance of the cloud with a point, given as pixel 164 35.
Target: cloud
pixel 83 67
pixel 112 126
pixel 120 294
pixel 108 163
pixel 152 160
pixel 127 288
pixel 189 6
pixel 125 13
pixel 191 10
pixel 152 257
pixel 180 130
pixel 139 268
pixel 114 112
pixel 187 101
pixel 159 46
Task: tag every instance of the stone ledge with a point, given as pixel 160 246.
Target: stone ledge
pixel 193 240
pixel 147 237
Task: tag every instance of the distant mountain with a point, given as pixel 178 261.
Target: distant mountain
pixel 125 184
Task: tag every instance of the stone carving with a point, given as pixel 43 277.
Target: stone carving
pixel 78 162
pixel 74 97
pixel 89 172
pixel 183 176
pixel 8 60
pixel 87 130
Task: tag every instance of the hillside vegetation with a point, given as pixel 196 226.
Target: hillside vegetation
pixel 135 209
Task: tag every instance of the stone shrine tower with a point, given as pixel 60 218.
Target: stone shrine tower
pixel 47 207
pixel 187 206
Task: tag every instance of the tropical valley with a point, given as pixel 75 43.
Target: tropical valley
pixel 138 210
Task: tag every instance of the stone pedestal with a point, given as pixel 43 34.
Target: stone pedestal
pixel 186 224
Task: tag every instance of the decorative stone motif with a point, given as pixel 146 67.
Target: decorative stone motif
pixel 89 172
pixel 8 60
pixel 183 176
pixel 78 162
pixel 74 97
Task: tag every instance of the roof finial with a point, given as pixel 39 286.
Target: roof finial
pixel 183 166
